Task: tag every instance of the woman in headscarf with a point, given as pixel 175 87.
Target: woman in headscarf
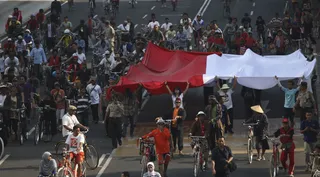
pixel 48 166
pixel 151 172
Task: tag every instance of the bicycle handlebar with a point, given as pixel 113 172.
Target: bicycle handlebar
pixel 197 137
pixel 314 154
pixel 250 124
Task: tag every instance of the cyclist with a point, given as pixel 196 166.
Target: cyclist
pixel 66 24
pixel 200 128
pixel 69 120
pixel 66 39
pixel 246 21
pixel 48 166
pixel 161 137
pixel 151 172
pixel 288 146
pixel 75 143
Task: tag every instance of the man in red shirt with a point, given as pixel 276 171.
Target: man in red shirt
pixel 9 46
pixel 17 13
pixel 217 40
pixel 55 60
pixel 32 24
pixel 250 41
pixel 41 17
pixel 162 138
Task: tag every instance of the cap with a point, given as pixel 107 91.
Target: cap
pixel 9 39
pixel 19 37
pixel 71 107
pixel 178 100
pixel 160 121
pixel 285 120
pixel 56 84
pixel 201 113
pixel 27 30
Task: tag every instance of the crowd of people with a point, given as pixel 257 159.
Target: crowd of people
pixel 46 65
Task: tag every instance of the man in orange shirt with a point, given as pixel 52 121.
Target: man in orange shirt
pixel 161 137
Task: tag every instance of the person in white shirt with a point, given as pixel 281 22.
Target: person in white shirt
pixel 10 60
pixel 124 27
pixel 94 91
pixel 152 24
pixel 166 26
pixel 177 94
pixel 187 29
pixel 75 143
pixel 81 56
pixel 226 93
pixel 69 120
pixel 106 63
pixel 185 19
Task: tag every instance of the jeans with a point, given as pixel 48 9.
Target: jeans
pixel 115 129
pixel 177 134
pixel 94 111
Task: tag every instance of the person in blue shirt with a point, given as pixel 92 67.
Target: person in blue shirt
pixel 310 129
pixel 289 99
pixel 39 58
pixel 28 37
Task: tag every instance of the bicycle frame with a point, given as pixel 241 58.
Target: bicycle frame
pixel 198 155
pixel 250 145
pixel 67 165
pixel 315 167
pixel 145 151
pixel 275 158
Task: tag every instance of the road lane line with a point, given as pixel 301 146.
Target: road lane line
pixel 251 13
pixel 135 25
pixel 200 10
pixel 205 8
pixel 30 131
pixel 144 16
pixel 104 167
pixel 153 7
pixel 254 4
pixel 4 158
pixel 101 159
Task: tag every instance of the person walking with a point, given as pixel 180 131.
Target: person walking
pixel 94 91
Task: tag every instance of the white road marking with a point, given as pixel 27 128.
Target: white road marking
pixel 144 16
pixel 4 158
pixel 101 159
pixel 200 10
pixel 205 8
pixel 171 15
pixel 254 4
pixel 153 7
pixel 251 13
pixel 30 131
pixel 135 25
pixel 95 16
pixel 104 167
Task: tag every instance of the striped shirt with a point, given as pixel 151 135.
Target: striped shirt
pixel 83 103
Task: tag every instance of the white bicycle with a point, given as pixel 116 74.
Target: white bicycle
pixel 250 145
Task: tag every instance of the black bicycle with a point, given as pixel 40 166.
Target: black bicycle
pixel 90 153
pixel 42 126
pixel 22 133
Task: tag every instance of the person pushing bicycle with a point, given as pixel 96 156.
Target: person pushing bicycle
pixel 162 138
pixel 200 128
pixel 287 145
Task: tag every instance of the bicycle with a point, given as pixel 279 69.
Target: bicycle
pixel 250 145
pixel 274 158
pixel 66 170
pixel 197 155
pixel 169 123
pixel 22 133
pixel 89 153
pixel 315 166
pixel 91 6
pixel 40 127
pixel 3 134
pixel 146 148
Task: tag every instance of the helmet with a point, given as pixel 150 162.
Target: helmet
pixel 160 121
pixel 201 113
pixel 28 31
pixel 67 31
pixel 10 16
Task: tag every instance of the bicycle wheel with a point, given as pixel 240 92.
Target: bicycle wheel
pixel 272 170
pixel 59 150
pixel 64 172
pixel 249 151
pixel 36 134
pixel 91 157
pixel 1 148
pixel 143 163
pixel 196 164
